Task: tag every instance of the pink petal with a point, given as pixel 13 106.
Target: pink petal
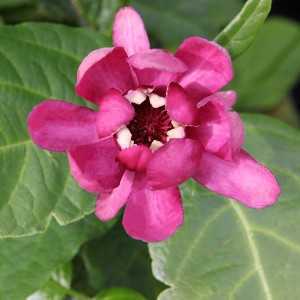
pixel 56 125
pixel 173 163
pixel 92 186
pixel 156 67
pixel 111 71
pixel 97 162
pixel 92 58
pixel 209 66
pixel 114 112
pixel 135 158
pixel 180 107
pixel 226 99
pixel 243 179
pixel 109 204
pixel 129 31
pixel 153 215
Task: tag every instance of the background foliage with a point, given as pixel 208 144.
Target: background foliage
pixel 51 245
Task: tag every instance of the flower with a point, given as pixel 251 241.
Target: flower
pixel 161 120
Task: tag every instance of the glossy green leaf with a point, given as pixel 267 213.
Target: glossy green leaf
pixel 119 294
pixel 238 35
pixel 37 62
pixel 169 22
pixel 26 264
pixel 118 260
pixel 226 251
pixel 265 73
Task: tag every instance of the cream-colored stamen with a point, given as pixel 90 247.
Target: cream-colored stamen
pixel 176 133
pixel 155 145
pixel 157 101
pixel 175 124
pixel 136 96
pixel 124 138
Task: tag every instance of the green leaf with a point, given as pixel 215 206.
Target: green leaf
pixel 37 62
pixel 169 21
pixel 261 78
pixel 227 251
pixel 15 3
pixel 118 260
pixel 26 264
pixel 238 35
pixel 119 294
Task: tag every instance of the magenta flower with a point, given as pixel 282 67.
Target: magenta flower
pixel 161 120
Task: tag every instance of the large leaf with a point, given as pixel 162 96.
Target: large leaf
pixel 268 69
pixel 37 62
pixel 226 251
pixel 15 3
pixel 119 294
pixel 238 35
pixel 171 21
pixel 118 260
pixel 26 264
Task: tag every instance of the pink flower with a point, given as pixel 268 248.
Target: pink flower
pixel 161 120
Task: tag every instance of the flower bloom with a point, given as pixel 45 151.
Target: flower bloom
pixel 161 120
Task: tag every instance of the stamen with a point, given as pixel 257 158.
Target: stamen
pixel 176 133
pixel 136 96
pixel 124 138
pixel 155 145
pixel 157 101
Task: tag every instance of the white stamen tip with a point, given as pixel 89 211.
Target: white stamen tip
pixel 176 133
pixel 175 124
pixel 155 145
pixel 124 138
pixel 136 96
pixel 157 101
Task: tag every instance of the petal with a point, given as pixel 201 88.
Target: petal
pixel 97 162
pixel 114 112
pixel 180 107
pixel 135 158
pixel 92 58
pixel 129 31
pixel 226 99
pixel 56 125
pixel 109 204
pixel 153 215
pixel 92 186
pixel 110 72
pixel 209 66
pixel 173 163
pixel 243 179
pixel 156 67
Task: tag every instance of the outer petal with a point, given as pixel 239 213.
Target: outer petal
pixel 111 71
pixel 129 31
pixel 153 215
pixel 109 204
pixel 173 163
pixel 209 66
pixel 243 179
pixel 135 158
pixel 156 67
pixel 180 107
pixel 114 112
pixel 226 99
pixel 97 162
pixel 56 125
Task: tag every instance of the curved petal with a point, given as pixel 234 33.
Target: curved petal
pixel 110 72
pixel 97 162
pixel 92 58
pixel 129 31
pixel 109 204
pixel 153 215
pixel 114 112
pixel 173 163
pixel 56 125
pixel 242 179
pixel 135 158
pixel 209 66
pixel 92 186
pixel 226 99
pixel 156 67
pixel 180 107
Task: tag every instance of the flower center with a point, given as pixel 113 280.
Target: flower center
pixel 152 125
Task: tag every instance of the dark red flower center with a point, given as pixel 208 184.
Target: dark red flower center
pixel 149 124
